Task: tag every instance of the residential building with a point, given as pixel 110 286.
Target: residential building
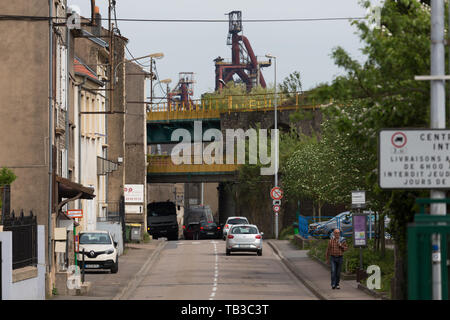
pixel 35 118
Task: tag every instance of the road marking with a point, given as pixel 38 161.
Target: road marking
pixel 216 272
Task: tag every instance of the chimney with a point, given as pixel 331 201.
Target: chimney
pixel 97 28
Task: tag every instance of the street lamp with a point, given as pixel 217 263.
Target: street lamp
pixel 166 81
pixel 276 134
pixel 151 56
pixel 158 55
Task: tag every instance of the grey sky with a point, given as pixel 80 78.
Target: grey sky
pixel 191 47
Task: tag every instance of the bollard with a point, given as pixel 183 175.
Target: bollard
pixel 82 270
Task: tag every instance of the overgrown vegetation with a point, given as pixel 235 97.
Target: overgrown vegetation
pixel 317 249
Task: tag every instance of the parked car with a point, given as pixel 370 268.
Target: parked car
pixel 342 221
pixel 232 221
pixel 244 237
pixel 100 251
pixel 209 230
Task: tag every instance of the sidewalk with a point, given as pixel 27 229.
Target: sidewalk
pixel 133 264
pixel 314 275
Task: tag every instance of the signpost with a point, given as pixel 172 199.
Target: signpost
pixel 276 194
pixel 360 239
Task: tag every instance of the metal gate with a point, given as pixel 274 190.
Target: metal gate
pixel 421 256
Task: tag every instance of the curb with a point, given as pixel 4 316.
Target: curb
pixel 132 285
pixel 297 273
pixel 372 292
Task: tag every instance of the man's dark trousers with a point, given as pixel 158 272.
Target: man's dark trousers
pixel 336 265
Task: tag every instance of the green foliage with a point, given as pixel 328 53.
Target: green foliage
pixel 287 233
pixel 318 250
pixel 378 93
pixel 7 176
pixel 235 94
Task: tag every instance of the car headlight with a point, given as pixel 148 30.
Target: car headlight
pixel 109 251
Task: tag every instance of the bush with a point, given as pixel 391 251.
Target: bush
pixel 287 233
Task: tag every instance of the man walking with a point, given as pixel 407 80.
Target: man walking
pixel 336 247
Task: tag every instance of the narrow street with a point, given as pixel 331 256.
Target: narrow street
pixel 200 270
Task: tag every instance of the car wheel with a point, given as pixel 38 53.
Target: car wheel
pixel 228 252
pixel 115 267
pixel 259 252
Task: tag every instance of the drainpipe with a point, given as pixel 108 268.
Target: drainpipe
pixel 80 86
pixel 67 100
pixel 50 131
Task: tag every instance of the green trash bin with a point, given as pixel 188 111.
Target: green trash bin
pixel 127 233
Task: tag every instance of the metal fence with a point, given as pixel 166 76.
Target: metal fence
pixel 321 228
pixel 24 238
pixel 113 211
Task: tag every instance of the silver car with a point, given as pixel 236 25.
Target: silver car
pixel 244 237
pixel 232 221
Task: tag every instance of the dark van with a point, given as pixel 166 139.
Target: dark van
pixel 197 222
pixel 162 220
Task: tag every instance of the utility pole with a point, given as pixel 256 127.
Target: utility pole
pixel 437 117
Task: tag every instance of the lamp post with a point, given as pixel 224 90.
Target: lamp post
pixel 151 56
pixel 276 134
pixel 166 81
pixel 158 55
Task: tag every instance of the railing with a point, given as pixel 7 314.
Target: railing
pixel 24 238
pixel 164 164
pixel 109 211
pixel 213 106
pixel 332 222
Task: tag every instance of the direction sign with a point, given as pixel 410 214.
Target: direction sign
pixel 75 213
pixel 276 208
pixel 414 159
pixel 276 193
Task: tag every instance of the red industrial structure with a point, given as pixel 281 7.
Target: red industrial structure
pixel 181 94
pixel 244 62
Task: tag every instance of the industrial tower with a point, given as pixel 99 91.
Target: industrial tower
pixel 244 62
pixel 181 94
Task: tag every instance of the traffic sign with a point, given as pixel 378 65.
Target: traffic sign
pixel 276 208
pixel 414 159
pixel 276 193
pixel 75 213
pixel 276 202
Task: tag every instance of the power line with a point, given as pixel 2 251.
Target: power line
pixel 43 18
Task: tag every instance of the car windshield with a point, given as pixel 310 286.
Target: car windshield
pixel 237 221
pixel 208 223
pixel 244 230
pixel 161 209
pixel 95 238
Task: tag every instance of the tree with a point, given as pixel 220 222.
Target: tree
pixel 382 93
pixel 7 176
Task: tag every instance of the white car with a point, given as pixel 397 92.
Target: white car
pixel 244 237
pixel 100 251
pixel 232 221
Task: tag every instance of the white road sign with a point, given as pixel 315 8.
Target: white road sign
pixel 414 159
pixel 358 197
pixel 134 193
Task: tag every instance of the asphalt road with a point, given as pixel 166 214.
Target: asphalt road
pixel 200 270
